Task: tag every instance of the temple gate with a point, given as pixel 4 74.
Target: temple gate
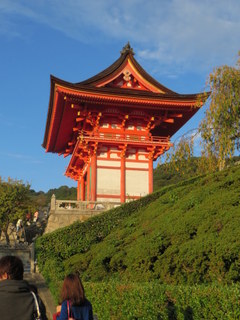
pixel 114 125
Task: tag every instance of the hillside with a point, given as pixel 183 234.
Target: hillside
pixel 183 233
pixel 165 175
pixel 42 199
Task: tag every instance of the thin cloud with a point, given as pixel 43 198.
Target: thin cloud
pixel 23 157
pixel 179 34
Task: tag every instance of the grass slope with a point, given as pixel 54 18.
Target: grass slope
pixel 187 235
pixel 132 257
pixel 165 174
pixel 184 233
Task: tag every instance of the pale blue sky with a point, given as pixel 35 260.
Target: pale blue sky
pixel 178 42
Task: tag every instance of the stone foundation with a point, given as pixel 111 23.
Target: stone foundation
pixel 61 219
pixel 65 212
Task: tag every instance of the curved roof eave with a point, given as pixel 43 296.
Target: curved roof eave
pixel 50 106
pixel 120 91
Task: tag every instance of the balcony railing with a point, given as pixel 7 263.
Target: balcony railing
pixel 120 137
pixel 68 206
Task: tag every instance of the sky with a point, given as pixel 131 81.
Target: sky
pixel 178 42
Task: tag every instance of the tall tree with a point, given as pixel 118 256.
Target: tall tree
pixel 179 156
pixel 220 128
pixel 13 203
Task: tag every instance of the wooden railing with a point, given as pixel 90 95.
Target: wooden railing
pixel 125 137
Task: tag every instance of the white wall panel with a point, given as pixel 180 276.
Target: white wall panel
pixel 108 181
pixel 110 200
pixel 136 183
pixel 114 156
pixel 141 157
pixel 108 163
pixel 137 165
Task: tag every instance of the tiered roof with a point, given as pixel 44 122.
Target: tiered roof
pixel 124 84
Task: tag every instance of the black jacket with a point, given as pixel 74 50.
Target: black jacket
pixel 17 302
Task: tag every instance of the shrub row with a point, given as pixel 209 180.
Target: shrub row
pixel 186 233
pixel 115 300
pixel 78 238
pixel 182 234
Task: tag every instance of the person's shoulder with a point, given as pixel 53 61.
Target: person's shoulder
pixel 19 285
pixel 64 303
pixel 33 288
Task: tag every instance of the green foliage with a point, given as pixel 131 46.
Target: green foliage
pixel 119 300
pixel 64 243
pixel 42 199
pixel 13 203
pixel 220 129
pixel 180 156
pixel 63 193
pixel 54 269
pixel 181 234
pixel 38 200
pixel 144 260
pixel 169 173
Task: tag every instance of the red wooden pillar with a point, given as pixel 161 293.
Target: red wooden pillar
pixel 123 181
pixel 150 175
pixel 94 177
pixel 82 188
pixel 88 182
pixel 78 189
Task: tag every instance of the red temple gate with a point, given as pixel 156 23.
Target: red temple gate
pixel 114 125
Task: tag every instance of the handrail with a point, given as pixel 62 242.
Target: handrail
pixel 125 137
pixel 76 205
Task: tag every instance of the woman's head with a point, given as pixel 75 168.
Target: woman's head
pixel 72 289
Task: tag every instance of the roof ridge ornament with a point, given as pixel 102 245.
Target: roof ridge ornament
pixel 127 49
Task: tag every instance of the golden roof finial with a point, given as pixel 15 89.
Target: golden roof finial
pixel 127 49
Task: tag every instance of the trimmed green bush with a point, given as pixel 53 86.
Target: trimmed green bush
pixel 181 235
pixel 114 300
pixel 187 233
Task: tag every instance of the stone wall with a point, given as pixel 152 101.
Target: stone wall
pixel 23 251
pixel 59 219
pixel 65 212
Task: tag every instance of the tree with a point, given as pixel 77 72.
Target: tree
pixel 220 128
pixel 179 156
pixel 14 197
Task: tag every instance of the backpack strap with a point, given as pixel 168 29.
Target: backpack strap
pixel 36 305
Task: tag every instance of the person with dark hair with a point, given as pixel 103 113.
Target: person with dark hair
pixel 17 298
pixel 73 301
